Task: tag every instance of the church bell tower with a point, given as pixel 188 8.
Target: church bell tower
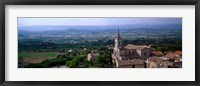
pixel 118 44
pixel 118 40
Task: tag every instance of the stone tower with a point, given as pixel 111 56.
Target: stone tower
pixel 118 44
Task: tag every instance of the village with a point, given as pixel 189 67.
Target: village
pixel 156 59
pixel 141 56
pixel 113 56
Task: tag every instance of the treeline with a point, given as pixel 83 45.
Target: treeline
pixel 167 47
pixel 52 47
pixel 154 41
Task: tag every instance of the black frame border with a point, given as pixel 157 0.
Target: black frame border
pixel 98 2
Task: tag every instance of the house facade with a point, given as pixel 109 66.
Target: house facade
pixel 91 56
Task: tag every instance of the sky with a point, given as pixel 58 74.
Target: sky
pixel 95 21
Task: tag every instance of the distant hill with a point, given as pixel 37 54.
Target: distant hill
pixel 91 28
pixel 97 31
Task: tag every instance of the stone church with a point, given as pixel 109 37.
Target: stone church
pixel 130 55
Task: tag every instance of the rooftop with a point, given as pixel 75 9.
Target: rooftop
pixel 130 62
pixel 177 52
pixel 154 59
pixel 157 53
pixel 173 55
pixel 137 47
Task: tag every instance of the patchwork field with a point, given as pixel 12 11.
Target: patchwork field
pixel 37 54
pixel 36 57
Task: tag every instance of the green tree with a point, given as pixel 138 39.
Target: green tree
pixel 102 60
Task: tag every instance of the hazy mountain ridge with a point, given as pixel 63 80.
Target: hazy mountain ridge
pixel 47 28
pixel 101 30
pixel 88 34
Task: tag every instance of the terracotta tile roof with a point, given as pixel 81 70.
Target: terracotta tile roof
pixel 157 53
pixel 137 47
pixel 177 59
pixel 154 59
pixel 130 62
pixel 177 52
pixel 168 55
pixel 172 55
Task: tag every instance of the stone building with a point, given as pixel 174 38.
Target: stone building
pixel 129 55
pixel 155 62
pixel 91 56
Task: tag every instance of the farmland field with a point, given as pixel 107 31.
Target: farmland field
pixel 37 54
